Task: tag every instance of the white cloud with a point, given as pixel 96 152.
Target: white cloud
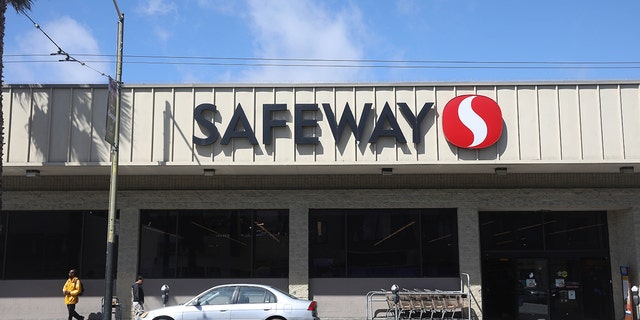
pixel 157 7
pixel 304 29
pixel 73 39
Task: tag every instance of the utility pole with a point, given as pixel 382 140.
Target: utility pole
pixel 111 226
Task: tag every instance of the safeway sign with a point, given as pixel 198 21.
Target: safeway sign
pixel 469 121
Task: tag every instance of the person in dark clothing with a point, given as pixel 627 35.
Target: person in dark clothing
pixel 138 297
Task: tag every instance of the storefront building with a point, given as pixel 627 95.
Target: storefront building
pixel 329 191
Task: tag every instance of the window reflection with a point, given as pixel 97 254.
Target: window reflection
pixel 383 242
pixel 214 243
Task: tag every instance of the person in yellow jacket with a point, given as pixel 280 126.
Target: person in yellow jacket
pixel 71 290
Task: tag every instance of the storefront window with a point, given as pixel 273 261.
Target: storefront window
pixel 214 243
pixel 383 243
pixel 46 244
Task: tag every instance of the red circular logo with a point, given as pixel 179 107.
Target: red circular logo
pixel 472 121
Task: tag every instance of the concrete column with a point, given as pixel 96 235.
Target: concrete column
pixel 128 253
pixel 299 252
pixel 624 251
pixel 469 252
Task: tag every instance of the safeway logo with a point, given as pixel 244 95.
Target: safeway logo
pixel 472 121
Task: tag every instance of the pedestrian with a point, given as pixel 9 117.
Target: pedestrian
pixel 138 297
pixel 72 288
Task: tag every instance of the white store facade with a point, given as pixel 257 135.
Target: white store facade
pixel 329 192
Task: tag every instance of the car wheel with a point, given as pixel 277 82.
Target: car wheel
pixel 276 318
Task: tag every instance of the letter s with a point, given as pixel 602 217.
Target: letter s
pixel 198 115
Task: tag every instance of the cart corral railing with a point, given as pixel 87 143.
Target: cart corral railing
pixel 402 303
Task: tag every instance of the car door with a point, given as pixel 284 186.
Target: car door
pixel 255 303
pixel 213 305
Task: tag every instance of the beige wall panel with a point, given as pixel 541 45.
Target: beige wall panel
pixel 243 150
pixel 509 143
pixel 387 148
pixel 491 152
pixel 182 118
pixel 550 149
pixel 40 138
pixel 226 103
pixel 569 123
pixel 142 126
pixel 405 152
pixel 529 130
pixel 328 143
pixel 60 125
pixel 204 154
pixel 346 145
pixel 99 147
pixel 125 152
pixel 365 151
pixel 285 143
pixel 306 153
pixel 612 136
pixel 590 122
pixel 630 99
pixel 446 152
pixel 426 151
pixel 81 128
pixel 265 155
pixel 162 124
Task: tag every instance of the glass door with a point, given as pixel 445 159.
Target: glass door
pixel 533 300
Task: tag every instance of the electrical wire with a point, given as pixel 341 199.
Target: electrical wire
pixel 60 52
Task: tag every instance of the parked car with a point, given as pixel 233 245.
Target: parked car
pixel 239 301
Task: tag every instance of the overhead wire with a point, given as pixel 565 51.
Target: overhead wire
pixel 344 63
pixel 61 52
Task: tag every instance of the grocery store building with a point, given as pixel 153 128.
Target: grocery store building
pixel 328 191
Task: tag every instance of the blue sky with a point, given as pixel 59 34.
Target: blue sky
pixel 331 41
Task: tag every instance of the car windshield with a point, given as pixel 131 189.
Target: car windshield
pixel 215 296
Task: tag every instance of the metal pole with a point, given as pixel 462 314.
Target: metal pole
pixel 111 232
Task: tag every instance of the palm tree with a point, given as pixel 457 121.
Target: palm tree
pixel 21 6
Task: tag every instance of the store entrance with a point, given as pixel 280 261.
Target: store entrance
pixel 545 265
pixel 546 288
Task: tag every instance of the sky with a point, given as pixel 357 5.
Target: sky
pixel 330 41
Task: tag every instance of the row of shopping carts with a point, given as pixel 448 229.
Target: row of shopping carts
pixel 418 304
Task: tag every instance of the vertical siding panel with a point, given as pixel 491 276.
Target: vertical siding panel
pixel 127 108
pixel 427 150
pixel 630 100
pixel 365 150
pixel 163 122
pixel 99 147
pixel 284 144
pixel 590 122
pixel 550 149
pixel 327 147
pixel 243 150
pixel 386 146
pixel 182 150
pixel 569 123
pixel 40 121
pixel 509 141
pixel 265 96
pixel 306 153
pixel 406 152
pixel 346 145
pixel 447 152
pixel 225 101
pixel 81 125
pixel 612 139
pixel 528 123
pixel 142 126
pixel 60 125
pixel 204 154
pixel 7 106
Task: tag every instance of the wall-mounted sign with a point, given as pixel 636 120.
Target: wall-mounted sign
pixel 469 121
pixel 472 121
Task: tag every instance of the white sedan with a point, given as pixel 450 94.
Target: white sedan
pixel 239 301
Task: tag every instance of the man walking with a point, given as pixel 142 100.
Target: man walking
pixel 138 297
pixel 71 289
